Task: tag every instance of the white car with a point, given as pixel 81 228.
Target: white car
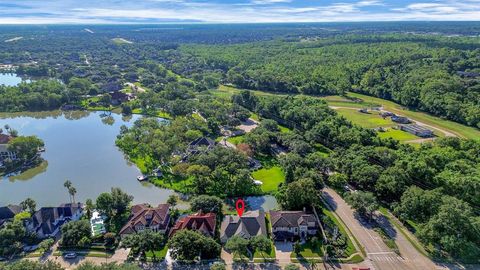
pixel 71 255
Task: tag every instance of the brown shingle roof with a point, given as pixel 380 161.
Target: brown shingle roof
pixel 4 139
pixel 204 223
pixel 148 217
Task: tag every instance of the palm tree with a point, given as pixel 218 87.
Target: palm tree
pixel 72 191
pixel 68 185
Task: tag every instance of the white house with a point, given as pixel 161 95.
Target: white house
pixel 96 224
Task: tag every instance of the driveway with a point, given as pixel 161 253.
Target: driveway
pixel 283 251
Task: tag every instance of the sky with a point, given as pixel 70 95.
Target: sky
pixel 233 11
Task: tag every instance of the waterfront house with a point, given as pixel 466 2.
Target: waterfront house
pixel 203 223
pixel 119 97
pixel 252 223
pixel 290 225
pixel 4 152
pixel 200 145
pixel 144 217
pixel 8 212
pixel 97 224
pixel 47 221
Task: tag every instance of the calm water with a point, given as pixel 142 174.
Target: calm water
pixel 10 79
pixel 80 147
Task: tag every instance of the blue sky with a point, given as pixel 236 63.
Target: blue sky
pixel 233 11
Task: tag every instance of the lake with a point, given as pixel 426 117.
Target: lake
pixel 10 79
pixel 80 147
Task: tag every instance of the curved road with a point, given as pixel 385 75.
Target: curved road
pixel 379 256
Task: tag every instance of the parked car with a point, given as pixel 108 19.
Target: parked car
pixel 71 255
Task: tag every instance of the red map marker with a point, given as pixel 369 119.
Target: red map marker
pixel 240 205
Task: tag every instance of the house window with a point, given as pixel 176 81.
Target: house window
pixel 295 230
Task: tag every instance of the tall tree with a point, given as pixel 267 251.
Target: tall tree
pixel 29 204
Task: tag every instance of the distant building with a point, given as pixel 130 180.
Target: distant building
pixel 144 217
pixel 251 224
pixel 417 130
pixel 47 221
pixel 8 213
pixel 4 152
pixel 363 110
pixel 203 223
pixel 386 114
pixel 400 119
pixel 120 97
pixel 288 225
pixel 96 224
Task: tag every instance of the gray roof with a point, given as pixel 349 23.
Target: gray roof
pixel 46 216
pixel 9 211
pixel 252 223
pixel 291 218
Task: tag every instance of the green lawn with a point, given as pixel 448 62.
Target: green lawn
pixel 159 254
pixel 366 120
pixel 271 178
pixel 255 116
pixel 173 182
pixel 160 114
pixel 309 250
pixel 284 129
pixel 263 256
pixel 350 247
pixel 397 135
pixel 236 140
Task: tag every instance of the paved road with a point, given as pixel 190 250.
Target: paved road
pixel 379 256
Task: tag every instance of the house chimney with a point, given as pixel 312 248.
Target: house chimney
pixel 304 209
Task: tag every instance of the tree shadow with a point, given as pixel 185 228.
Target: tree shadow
pixel 387 226
pixel 330 201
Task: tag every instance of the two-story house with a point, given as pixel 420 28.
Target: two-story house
pixel 288 225
pixel 47 221
pixel 144 217
pixel 203 223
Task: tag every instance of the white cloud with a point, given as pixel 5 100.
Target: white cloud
pixel 94 11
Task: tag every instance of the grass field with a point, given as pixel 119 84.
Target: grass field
pixel 456 128
pixel 120 41
pixel 366 120
pixel 271 177
pixel 374 120
pixel 352 101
